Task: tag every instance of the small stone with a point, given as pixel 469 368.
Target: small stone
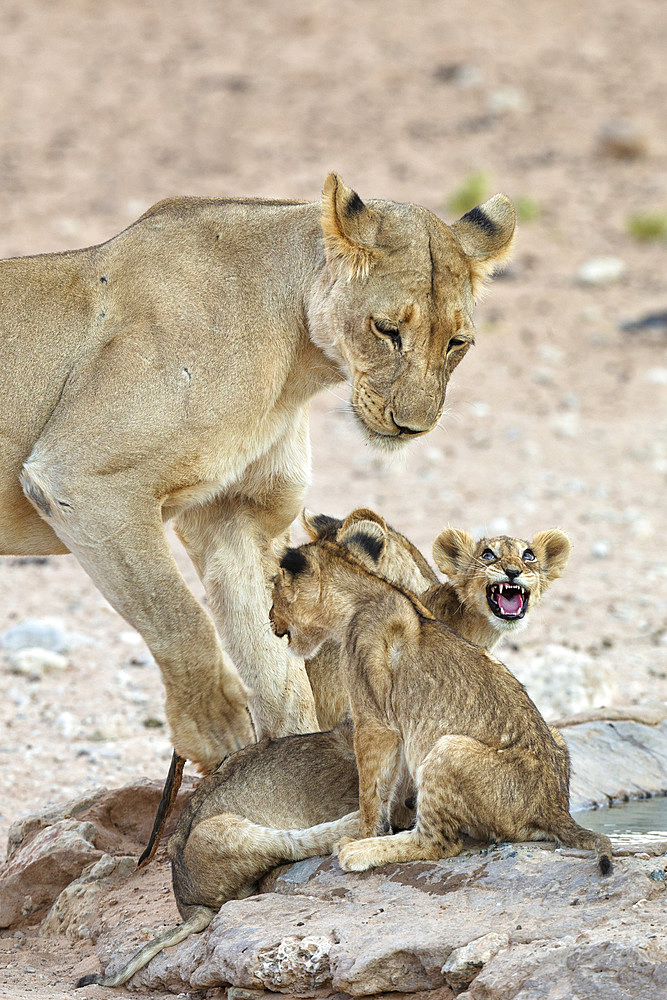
pixel 461 75
pixel 29 969
pixel 601 271
pixel 658 376
pixel 658 875
pixel 601 549
pixel 68 724
pixel 622 140
pixel 34 662
pixel 41 633
pixel 506 99
pixel 464 963
pixel 566 425
pixel 131 638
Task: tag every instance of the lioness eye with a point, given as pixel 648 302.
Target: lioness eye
pixel 454 343
pixel 387 330
pixel 488 554
pixel 528 556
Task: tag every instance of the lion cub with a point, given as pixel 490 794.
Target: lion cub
pixel 481 756
pixel 493 582
pixel 400 561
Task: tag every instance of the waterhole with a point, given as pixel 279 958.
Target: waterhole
pixel 637 816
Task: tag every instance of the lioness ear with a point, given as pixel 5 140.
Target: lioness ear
pixel 319 525
pixel 349 229
pixel 365 540
pixel 552 549
pixel 364 514
pixel 450 548
pixel 486 235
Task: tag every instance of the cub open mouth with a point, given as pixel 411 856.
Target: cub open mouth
pixel 507 600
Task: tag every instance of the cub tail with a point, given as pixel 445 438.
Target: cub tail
pixel 570 834
pixel 198 920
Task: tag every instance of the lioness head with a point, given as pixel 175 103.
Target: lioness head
pixel 394 306
pixel 501 577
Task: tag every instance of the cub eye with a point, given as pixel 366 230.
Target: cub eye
pixel 488 554
pixel 455 343
pixel 388 331
pixel 528 556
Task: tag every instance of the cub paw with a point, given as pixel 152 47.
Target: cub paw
pixel 354 856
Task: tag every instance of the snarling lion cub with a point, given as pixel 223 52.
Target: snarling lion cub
pixel 167 374
pixel 480 754
pixel 493 582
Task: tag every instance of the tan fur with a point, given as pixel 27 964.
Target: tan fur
pixel 167 373
pixel 482 758
pixel 463 601
pixel 400 561
pixel 229 833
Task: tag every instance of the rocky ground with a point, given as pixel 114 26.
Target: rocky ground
pixel 505 922
pixel 556 418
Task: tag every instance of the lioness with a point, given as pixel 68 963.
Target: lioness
pixel 480 754
pixel 167 373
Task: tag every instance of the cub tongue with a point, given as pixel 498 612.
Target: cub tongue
pixel 510 605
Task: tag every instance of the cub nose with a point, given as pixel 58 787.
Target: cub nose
pixel 512 574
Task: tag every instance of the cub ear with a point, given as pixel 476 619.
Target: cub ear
pixel 365 540
pixel 364 514
pixel 486 235
pixel 450 549
pixel 294 563
pixel 552 549
pixel 320 525
pixel 349 229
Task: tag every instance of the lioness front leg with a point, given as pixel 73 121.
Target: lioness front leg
pixel 119 540
pixel 230 544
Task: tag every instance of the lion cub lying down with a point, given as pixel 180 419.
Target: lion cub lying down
pixel 229 833
pixel 480 754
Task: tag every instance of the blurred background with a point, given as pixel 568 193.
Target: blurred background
pixel 556 418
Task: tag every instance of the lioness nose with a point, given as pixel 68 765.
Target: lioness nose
pixel 403 429
pixel 512 574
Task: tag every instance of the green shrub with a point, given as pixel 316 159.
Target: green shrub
pixel 647 226
pixel 527 209
pixel 473 191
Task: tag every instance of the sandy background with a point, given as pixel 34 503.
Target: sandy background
pixel 556 418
